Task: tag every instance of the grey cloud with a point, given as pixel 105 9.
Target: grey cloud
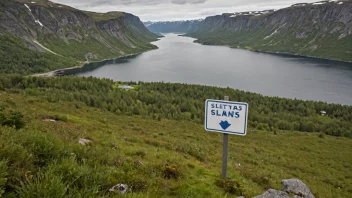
pixel 94 3
pixel 132 2
pixel 188 1
pixel 160 10
pixel 207 13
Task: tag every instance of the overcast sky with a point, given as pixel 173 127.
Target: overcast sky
pixel 163 10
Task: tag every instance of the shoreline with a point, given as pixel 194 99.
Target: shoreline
pixel 61 72
pixel 55 72
pixel 270 52
pixel 70 70
pixel 294 55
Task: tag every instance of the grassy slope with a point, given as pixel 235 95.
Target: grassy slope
pixel 119 142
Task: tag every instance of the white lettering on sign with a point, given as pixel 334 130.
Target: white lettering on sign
pixel 226 117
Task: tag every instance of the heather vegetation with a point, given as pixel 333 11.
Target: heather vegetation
pixel 156 156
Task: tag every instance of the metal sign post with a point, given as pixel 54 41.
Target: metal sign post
pixel 226 117
pixel 225 150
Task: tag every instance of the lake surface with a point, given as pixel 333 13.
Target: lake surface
pixel 180 60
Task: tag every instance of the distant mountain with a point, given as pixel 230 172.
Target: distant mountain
pixel 39 35
pixel 322 29
pixel 171 26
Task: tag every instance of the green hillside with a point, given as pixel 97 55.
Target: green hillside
pixel 321 30
pixel 135 142
pixel 285 43
pixel 33 40
pixel 17 58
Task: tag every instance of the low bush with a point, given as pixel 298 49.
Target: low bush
pixel 3 176
pixel 171 171
pixel 12 119
pixel 230 186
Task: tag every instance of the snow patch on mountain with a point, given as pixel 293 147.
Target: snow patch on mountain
pixel 28 7
pixel 37 21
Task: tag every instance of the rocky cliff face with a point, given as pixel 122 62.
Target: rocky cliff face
pixel 322 29
pixel 172 26
pixel 64 31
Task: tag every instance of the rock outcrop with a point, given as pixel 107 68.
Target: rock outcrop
pixel 271 193
pixel 294 186
pixel 120 188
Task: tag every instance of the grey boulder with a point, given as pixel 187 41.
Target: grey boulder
pixel 296 187
pixel 271 193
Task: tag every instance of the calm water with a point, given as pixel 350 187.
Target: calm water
pixel 178 59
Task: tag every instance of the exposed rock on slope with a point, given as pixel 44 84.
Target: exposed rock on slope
pixel 322 29
pixel 294 186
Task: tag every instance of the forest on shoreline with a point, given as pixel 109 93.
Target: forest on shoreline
pixel 184 102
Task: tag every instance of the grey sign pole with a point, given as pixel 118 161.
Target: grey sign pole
pixel 225 149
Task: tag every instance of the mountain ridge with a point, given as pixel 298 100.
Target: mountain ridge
pixel 172 26
pixel 75 36
pixel 322 29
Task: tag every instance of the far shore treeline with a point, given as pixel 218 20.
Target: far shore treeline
pixel 184 102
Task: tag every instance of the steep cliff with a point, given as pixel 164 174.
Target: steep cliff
pixel 171 26
pixel 322 29
pixel 62 36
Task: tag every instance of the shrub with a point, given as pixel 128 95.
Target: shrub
pixel 262 180
pixel 171 171
pixel 44 185
pixel 141 153
pixel 230 186
pixel 44 147
pixel 137 184
pixel 3 176
pixel 13 119
pixel 71 171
